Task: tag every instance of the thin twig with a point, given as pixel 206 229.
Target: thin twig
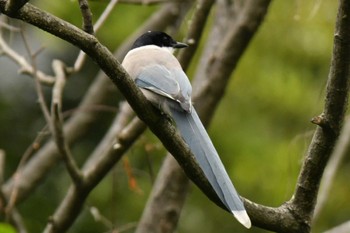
pixel 56 116
pixel 25 67
pixel 103 17
pixel 87 16
pixel 39 90
pixel 98 217
pixel 100 162
pixel 82 56
pixel 6 25
pixel 195 30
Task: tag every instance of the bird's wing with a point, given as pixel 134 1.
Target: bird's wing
pixel 158 79
pixel 172 84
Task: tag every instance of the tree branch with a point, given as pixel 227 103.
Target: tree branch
pixel 57 122
pixel 99 93
pixel 25 67
pixel 168 195
pixel 87 16
pixel 78 64
pixel 325 138
pixel 195 30
pixel 72 204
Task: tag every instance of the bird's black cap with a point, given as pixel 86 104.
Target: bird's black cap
pixel 157 38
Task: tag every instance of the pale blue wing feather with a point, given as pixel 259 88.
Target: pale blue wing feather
pixel 158 79
pixel 172 84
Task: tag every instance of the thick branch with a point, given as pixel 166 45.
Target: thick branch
pixel 251 14
pixel 71 206
pixel 158 124
pixel 98 93
pixel 335 105
pixel 169 191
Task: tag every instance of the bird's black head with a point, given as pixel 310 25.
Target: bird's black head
pixel 160 39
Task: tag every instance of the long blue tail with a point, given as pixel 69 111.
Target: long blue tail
pixel 195 135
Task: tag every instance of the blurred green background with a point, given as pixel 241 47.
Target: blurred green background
pixel 261 130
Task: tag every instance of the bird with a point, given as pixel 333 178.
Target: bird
pixel 157 72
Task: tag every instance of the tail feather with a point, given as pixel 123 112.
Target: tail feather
pixel 195 135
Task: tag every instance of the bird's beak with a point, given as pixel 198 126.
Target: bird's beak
pixel 180 45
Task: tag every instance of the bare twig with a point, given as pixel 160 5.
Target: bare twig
pixel 103 17
pixel 94 170
pixel 195 30
pixel 82 56
pixel 39 90
pixel 25 67
pixel 5 25
pixel 87 16
pixel 98 217
pixel 56 116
